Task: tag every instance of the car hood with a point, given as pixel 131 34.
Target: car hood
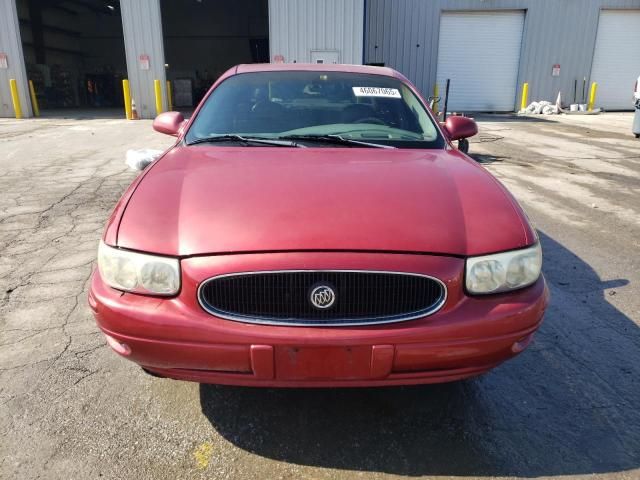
pixel 211 199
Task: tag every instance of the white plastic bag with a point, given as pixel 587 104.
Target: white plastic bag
pixel 140 159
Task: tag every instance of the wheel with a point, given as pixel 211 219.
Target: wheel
pixel 637 135
pixel 463 145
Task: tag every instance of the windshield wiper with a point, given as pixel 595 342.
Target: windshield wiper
pixel 246 141
pixel 335 139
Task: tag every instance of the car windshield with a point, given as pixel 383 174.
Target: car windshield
pixel 367 108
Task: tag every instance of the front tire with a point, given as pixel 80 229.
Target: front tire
pixel 463 145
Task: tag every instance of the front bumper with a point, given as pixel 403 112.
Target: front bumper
pixel 176 338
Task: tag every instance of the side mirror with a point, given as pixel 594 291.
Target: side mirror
pixel 168 123
pixel 460 127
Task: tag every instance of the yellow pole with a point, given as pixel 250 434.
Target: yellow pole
pixel 436 94
pixel 169 99
pixel 127 99
pixel 13 85
pixel 158 89
pixel 592 96
pixel 525 97
pixel 34 99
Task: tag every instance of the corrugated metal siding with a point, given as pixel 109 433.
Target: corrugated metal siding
pixel 296 27
pixel 404 35
pixel 142 28
pixel 11 45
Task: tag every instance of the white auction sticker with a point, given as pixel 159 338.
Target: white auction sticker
pixel 376 92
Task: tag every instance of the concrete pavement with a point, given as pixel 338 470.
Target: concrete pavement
pixel 569 406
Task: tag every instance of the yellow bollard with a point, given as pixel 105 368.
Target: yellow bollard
pixel 592 96
pixel 158 89
pixel 13 85
pixel 126 91
pixel 525 96
pixel 436 94
pixel 34 99
pixel 169 99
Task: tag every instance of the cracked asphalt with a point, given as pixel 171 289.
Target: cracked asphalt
pixel 568 406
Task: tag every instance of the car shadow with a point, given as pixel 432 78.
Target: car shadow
pixel 487 159
pixel 568 405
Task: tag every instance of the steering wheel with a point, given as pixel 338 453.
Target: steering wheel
pixel 373 120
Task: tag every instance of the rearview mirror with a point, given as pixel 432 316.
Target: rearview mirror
pixel 460 127
pixel 168 123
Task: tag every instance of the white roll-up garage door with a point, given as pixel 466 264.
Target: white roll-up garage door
pixel 616 60
pixel 480 53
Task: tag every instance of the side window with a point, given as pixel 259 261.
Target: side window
pixel 428 129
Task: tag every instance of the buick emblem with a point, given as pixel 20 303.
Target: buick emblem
pixel 322 296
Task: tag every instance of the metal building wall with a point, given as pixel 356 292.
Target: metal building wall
pixel 11 45
pixel 296 27
pixel 404 35
pixel 142 27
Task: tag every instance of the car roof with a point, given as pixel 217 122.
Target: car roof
pixel 318 67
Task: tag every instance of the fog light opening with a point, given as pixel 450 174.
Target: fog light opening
pixel 121 348
pixel 521 344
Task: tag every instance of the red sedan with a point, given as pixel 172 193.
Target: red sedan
pixel 314 226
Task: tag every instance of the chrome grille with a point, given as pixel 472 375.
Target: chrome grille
pixel 284 297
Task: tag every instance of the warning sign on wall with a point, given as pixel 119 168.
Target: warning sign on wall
pixel 555 71
pixel 144 61
pixel 3 60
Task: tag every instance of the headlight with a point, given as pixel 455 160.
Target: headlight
pixel 503 271
pixel 137 272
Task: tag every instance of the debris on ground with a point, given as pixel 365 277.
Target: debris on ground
pixel 543 107
pixel 140 159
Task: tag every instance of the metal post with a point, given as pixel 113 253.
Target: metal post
pixel 436 94
pixel 524 103
pixel 592 96
pixel 158 90
pixel 34 100
pixel 446 100
pixel 15 97
pixel 169 99
pixel 126 91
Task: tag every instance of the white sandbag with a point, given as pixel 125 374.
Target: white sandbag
pixel 537 108
pixel 140 159
pixel 532 107
pixel 540 106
